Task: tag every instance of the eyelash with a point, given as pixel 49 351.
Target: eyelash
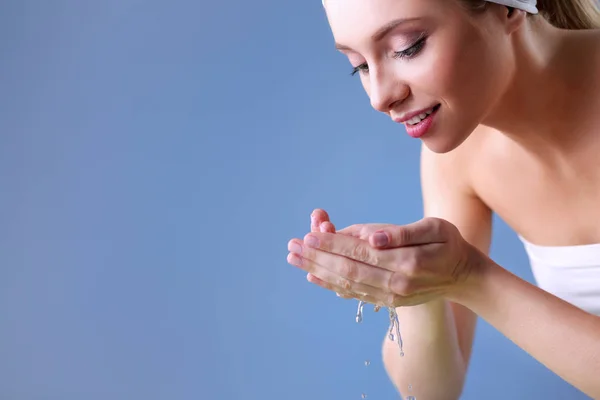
pixel 409 53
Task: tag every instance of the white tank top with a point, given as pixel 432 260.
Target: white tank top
pixel 569 272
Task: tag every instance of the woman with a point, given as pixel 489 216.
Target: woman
pixel 504 96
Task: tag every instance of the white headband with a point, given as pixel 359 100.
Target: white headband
pixel 525 5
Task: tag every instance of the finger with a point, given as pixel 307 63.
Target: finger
pixel 340 291
pixel 349 247
pixel 327 226
pixel 362 231
pixel 346 286
pixel 317 217
pixel 392 300
pixel 425 231
pixel 311 259
pixel 402 277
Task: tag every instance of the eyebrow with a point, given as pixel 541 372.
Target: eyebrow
pixel 381 32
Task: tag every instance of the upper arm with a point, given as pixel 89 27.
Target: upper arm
pixel 448 195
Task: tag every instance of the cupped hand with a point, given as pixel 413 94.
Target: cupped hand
pixel 320 222
pixel 385 264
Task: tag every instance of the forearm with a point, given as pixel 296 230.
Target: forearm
pixel 432 364
pixel 561 336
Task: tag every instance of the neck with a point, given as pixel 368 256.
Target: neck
pixel 538 102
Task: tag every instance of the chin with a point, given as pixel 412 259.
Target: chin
pixel 443 141
pixel 442 144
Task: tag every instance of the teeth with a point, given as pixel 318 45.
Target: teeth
pixel 415 120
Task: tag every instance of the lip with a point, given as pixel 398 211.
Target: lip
pixel 407 117
pixel 422 128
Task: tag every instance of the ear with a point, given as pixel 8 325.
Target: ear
pixel 513 19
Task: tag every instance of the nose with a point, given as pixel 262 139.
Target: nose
pixel 386 91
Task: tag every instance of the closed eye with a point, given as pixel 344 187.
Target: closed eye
pixel 409 53
pixel 413 50
pixel 360 68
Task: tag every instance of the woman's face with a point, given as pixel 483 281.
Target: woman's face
pixel 432 58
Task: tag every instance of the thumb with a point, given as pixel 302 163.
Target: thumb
pixel 425 231
pixel 327 227
pixel 318 217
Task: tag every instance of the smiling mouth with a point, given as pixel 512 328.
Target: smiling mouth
pixel 418 118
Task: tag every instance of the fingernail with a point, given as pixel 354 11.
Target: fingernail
pixel 380 239
pixel 311 241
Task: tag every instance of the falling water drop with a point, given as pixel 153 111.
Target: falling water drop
pixel 376 308
pixel 367 363
pixel 394 323
pixel 364 395
pixel 359 312
pixel 410 397
pixel 391 331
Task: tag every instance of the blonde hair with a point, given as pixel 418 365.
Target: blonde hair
pixel 564 14
pixel 571 14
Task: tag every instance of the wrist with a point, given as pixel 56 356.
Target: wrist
pixel 476 284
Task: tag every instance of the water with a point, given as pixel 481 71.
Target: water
pixel 410 397
pixel 395 324
pixel 359 312
pixel 393 333
pixel 359 319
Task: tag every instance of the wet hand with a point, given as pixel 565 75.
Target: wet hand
pixel 385 264
pixel 320 222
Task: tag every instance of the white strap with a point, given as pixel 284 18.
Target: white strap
pixel 525 5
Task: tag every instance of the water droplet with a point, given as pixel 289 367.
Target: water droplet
pixel 395 324
pixel 409 388
pixel 364 396
pixel 359 312
pixel 376 308
pixel 411 398
pixel 367 363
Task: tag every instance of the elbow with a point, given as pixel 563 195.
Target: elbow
pixel 433 385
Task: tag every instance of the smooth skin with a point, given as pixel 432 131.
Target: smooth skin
pixel 517 134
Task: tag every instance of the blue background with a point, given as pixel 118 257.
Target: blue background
pixel 155 159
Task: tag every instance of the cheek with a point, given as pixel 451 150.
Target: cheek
pixel 441 72
pixel 467 76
